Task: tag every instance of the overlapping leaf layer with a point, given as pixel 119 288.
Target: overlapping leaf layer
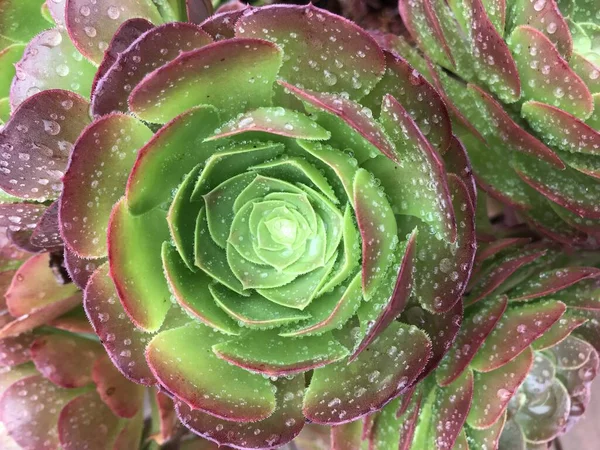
pixel 521 79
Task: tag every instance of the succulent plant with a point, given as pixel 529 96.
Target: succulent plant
pixel 288 235
pixel 520 370
pixel 522 81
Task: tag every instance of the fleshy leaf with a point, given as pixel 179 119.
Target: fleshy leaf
pixel 269 354
pixel 37 141
pixel 51 62
pixel 109 144
pixel 379 373
pixel 222 24
pixel 378 230
pixel 347 436
pixel 546 76
pixel 183 362
pixel 46 233
pixel 232 75
pixel 478 323
pixel 550 281
pixel 559 331
pixel 519 326
pixel 123 342
pixel 134 254
pixel 281 427
pixel 493 390
pixel 80 270
pixel 348 59
pixel 65 360
pixel 123 398
pixel 92 24
pixel 141 58
pixel 21 20
pixel 192 292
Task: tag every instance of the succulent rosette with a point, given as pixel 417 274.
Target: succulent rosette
pixel 518 374
pixel 522 81
pixel 272 236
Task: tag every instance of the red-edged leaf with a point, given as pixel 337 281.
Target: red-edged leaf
pixel 74 321
pixel 20 216
pixel 281 427
pixel 478 323
pixel 91 25
pixel 486 438
pixel 353 122
pixel 347 60
pixel 499 271
pixel 128 32
pixel 183 362
pixel 46 233
pixel 381 372
pixel 493 390
pixel 154 48
pixel 519 326
pixel 441 328
pixel 163 406
pixel 233 75
pixel 34 287
pixel 50 62
pixel 546 76
pixel 29 425
pixel 497 246
pixel 80 269
pixel 124 343
pixel 547 18
pixel 198 10
pixel 15 350
pixel 511 134
pixel 457 162
pixel 561 129
pixel 559 331
pixel 134 255
pixel 36 143
pixel 65 360
pixel 110 144
pixel 552 281
pixel 398 299
pixel 416 96
pixel 222 24
pixel 86 422
pixel 122 396
pixel 494 64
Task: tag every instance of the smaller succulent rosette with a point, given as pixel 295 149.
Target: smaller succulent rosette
pixel 522 81
pixel 518 374
pixel 288 236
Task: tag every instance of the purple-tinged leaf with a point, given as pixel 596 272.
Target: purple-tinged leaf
pixel 348 123
pixel 519 326
pixel 46 233
pixel 232 75
pixel 110 144
pixel 36 143
pixel 66 360
pixel 20 216
pixel 497 246
pixel 222 24
pixel 547 18
pixel 183 362
pixel 281 427
pixel 561 129
pixel 123 397
pixel 398 300
pixel 37 429
pixel 86 421
pixel 457 162
pixel 550 281
pixel 494 65
pixel 123 342
pixel 154 48
pixel 91 25
pixel 128 32
pixel 478 323
pixel 493 390
pixel 15 350
pixel 381 372
pixel 511 134
pixel 50 62
pixel 332 54
pixel 559 331
pixel 546 76
pixel 80 270
pixel 198 10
